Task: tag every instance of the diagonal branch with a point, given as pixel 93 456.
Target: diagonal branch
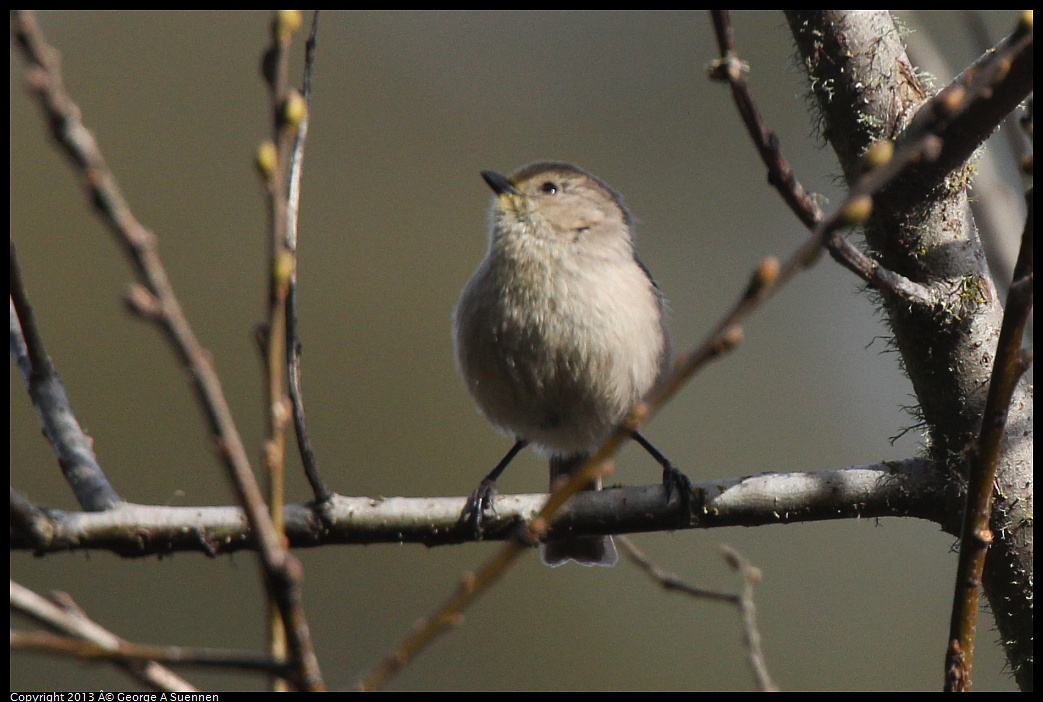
pixel 61 615
pixel 76 456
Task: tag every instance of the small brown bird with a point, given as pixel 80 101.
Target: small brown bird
pixel 561 329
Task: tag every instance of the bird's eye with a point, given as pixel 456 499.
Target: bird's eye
pixel 549 188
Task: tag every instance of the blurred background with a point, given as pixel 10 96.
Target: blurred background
pixel 408 108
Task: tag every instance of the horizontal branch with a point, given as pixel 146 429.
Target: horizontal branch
pixel 130 653
pixel 909 488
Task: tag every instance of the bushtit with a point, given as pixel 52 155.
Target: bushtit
pixel 561 329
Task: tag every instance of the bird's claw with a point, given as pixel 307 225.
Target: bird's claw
pixel 480 502
pixel 674 479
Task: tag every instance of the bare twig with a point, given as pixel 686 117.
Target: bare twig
pixel 1007 369
pixel 743 602
pixel 731 69
pixel 669 581
pixel 76 456
pixel 127 652
pixel 751 575
pixel 288 629
pixel 286 116
pixel 293 343
pixel 64 617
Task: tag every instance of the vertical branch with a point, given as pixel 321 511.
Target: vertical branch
pixel 293 344
pixel 288 629
pixel 976 536
pixel 287 113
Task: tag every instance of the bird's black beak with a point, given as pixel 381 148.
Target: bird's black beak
pixel 499 183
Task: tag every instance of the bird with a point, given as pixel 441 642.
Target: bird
pixel 560 330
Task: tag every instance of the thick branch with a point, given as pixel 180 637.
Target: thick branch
pixel 908 488
pixel 921 228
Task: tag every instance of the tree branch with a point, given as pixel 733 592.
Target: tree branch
pixel 73 447
pixel 921 228
pixel 910 488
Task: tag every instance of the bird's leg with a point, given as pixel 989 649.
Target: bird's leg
pixel 481 500
pixel 673 478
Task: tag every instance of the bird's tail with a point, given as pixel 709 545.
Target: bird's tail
pixel 585 550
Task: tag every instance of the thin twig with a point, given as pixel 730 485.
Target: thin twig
pixel 1007 369
pixel 280 268
pixel 128 652
pixel 751 575
pixel 60 614
pixel 288 628
pixel 293 344
pixel 731 69
pixel 669 581
pixel 743 602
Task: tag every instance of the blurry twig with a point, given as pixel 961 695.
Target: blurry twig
pixel 60 614
pixel 750 575
pixel 286 114
pixel 130 653
pixel 669 581
pixel 288 635
pixel 744 601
